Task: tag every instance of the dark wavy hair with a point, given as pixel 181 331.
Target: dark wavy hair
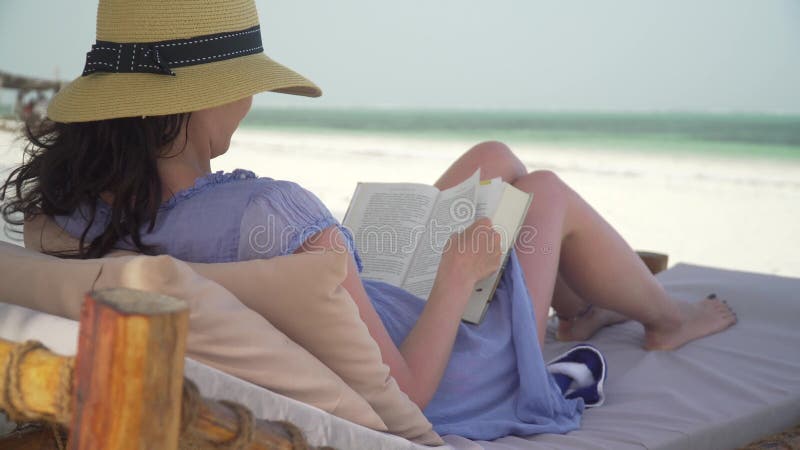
pixel 69 165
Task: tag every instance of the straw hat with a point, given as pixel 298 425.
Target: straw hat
pixel 156 57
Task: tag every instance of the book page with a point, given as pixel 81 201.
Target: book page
pixel 507 213
pixel 489 193
pixel 387 221
pixel 454 210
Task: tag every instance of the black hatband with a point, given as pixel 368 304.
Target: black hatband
pixel 161 57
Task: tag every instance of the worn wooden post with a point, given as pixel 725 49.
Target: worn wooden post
pixel 41 388
pixel 656 262
pixel 129 371
pixel 42 391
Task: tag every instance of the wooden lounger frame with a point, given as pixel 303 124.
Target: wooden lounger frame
pixel 125 389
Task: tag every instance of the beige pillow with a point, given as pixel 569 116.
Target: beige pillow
pixel 223 333
pixel 331 329
pixel 301 295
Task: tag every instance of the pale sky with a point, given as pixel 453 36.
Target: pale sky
pixel 608 55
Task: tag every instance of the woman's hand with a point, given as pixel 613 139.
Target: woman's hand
pixel 473 253
pixel 419 363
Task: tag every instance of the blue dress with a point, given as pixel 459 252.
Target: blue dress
pixel 495 384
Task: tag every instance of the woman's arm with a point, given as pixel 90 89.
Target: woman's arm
pixel 419 363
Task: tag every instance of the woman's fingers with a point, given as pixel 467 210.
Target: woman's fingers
pixel 477 249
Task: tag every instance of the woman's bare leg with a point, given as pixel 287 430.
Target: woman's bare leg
pixel 569 237
pixel 495 159
pixel 579 320
pixel 573 242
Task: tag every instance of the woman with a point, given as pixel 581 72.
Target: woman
pixel 126 163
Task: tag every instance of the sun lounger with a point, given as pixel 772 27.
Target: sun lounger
pixel 720 392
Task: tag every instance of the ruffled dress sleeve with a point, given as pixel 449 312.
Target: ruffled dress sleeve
pixel 280 216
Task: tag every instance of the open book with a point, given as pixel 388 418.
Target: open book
pixel 401 229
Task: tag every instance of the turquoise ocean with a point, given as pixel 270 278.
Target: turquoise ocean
pixel 772 136
pixel 769 136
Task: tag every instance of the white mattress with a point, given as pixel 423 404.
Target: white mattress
pixel 720 392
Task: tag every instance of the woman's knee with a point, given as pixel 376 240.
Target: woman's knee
pixel 541 182
pixel 496 159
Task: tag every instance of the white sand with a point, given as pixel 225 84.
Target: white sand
pixel 731 213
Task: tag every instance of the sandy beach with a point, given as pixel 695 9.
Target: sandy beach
pixel 737 213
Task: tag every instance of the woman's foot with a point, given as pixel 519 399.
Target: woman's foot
pixel 584 326
pixel 693 321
